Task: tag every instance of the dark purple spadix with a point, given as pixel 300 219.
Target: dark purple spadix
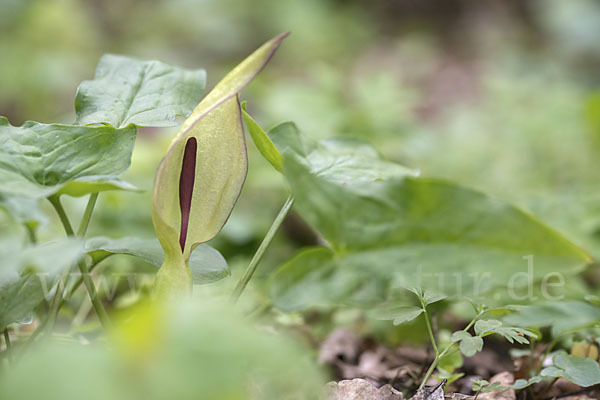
pixel 186 186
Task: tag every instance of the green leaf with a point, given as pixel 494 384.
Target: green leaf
pixel 262 141
pixel 523 383
pixel 560 315
pixel 145 93
pixel 448 376
pixel 21 288
pixel 389 228
pixel 469 345
pixel 512 334
pixel 200 178
pixel 23 209
pixel 430 297
pixel 480 382
pixel 484 326
pixel 206 263
pixel 399 315
pixel 287 136
pixel 38 160
pixel 579 370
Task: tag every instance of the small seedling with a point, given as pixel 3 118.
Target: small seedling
pixel 483 386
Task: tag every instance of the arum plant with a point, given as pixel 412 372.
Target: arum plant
pixel 200 178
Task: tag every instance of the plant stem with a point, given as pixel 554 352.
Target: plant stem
pixel 87 215
pixel 434 364
pixel 547 388
pixel 429 329
pixel 8 345
pixel 31 234
pixel 83 268
pixel 64 220
pixel 251 269
pixel 76 285
pixel 444 352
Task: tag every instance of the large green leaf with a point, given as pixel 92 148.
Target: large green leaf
pixel 145 93
pixel 206 263
pixel 38 160
pixel 389 228
pixel 27 273
pixel 579 370
pixel 560 315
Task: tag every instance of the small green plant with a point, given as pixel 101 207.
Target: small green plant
pixel 196 185
pixel 463 340
pixel 383 229
pixel 483 386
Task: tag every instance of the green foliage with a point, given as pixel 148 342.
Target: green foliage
pixel 524 383
pixel 483 386
pixel 38 160
pixel 27 273
pixel 48 160
pixel 262 141
pixel 399 315
pixel 579 370
pixel 206 263
pixel 562 316
pixel 181 351
pixel 510 333
pixel 388 228
pixel 469 345
pixel 128 91
pixel 381 226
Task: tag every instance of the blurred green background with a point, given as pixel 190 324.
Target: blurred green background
pixel 502 96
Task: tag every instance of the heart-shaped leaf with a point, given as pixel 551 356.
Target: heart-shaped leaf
pixel 579 370
pixel 145 93
pixel 389 228
pixel 38 160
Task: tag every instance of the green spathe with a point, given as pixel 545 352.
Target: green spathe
pixel 220 170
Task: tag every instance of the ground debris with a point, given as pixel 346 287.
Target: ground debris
pixel 361 389
pixel 340 345
pixel 431 392
pixel 350 357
